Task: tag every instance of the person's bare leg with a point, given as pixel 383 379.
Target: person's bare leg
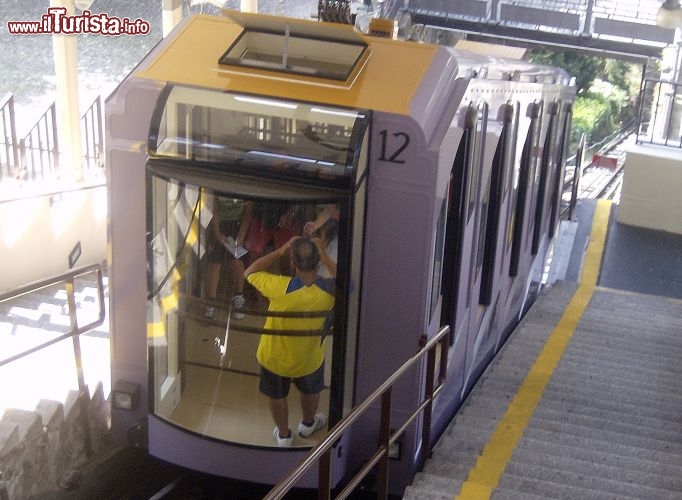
pixel 238 270
pixel 279 410
pixel 309 404
pixel 212 279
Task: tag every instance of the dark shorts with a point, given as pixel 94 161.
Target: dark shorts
pixel 277 387
pixel 216 251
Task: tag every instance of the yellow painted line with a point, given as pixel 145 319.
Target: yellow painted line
pixel 595 249
pixel 485 475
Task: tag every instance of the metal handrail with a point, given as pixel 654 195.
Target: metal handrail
pixel 657 102
pixel 39 149
pixel 9 154
pixel 36 155
pixel 322 451
pixel 75 330
pixel 73 333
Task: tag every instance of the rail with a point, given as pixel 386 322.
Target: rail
pixel 68 279
pixel 9 153
pixel 92 132
pixel 660 113
pixel 322 453
pixel 39 150
pixel 35 156
pixel 75 329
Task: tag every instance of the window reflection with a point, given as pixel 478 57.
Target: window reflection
pixel 254 134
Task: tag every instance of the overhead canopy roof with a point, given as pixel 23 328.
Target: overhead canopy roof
pixel 622 29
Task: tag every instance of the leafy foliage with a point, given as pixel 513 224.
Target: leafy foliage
pixel 605 90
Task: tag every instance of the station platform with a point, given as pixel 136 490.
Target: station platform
pixel 583 401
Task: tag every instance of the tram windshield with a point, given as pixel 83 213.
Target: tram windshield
pixel 258 135
pixel 207 321
pixel 230 182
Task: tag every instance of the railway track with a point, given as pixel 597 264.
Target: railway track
pixel 602 177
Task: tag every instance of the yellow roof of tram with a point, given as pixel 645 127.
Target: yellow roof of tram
pixel 385 78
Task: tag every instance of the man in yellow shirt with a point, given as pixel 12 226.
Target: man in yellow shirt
pixel 292 347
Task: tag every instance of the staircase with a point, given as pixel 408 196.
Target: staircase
pixel 609 424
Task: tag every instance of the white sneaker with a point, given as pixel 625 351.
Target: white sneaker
pixel 319 422
pixel 238 302
pixel 282 442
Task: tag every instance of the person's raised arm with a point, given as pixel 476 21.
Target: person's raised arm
pixel 263 263
pixel 326 260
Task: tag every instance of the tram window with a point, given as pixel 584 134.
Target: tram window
pixel 482 230
pixel 487 250
pixel 557 189
pixel 436 276
pixel 526 175
pixel 453 231
pixel 546 169
pixel 294 47
pixel 251 135
pixel 476 156
pixel 205 368
pixel 511 182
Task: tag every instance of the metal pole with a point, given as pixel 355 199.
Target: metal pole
pixel 68 108
pixel 171 15
pixel 83 396
pixel 576 175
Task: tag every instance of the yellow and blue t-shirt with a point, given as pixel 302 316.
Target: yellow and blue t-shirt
pixel 286 355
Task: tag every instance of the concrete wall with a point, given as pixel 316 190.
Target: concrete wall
pixel 46 447
pixel 652 183
pixel 37 234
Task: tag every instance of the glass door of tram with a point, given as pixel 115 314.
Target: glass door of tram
pixel 209 217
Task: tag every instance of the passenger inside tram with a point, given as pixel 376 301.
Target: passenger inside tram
pixel 226 231
pixel 214 359
pixel 292 348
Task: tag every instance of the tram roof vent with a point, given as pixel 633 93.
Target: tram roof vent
pixel 294 46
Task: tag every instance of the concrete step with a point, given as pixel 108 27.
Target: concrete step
pixel 551 490
pixel 583 388
pixel 431 487
pixel 596 443
pixel 662 359
pixel 673 434
pixel 583 468
pixel 646 417
pixel 623 457
pixel 643 443
pixel 603 369
pixel 599 485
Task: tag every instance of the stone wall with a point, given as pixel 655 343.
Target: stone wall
pixel 42 450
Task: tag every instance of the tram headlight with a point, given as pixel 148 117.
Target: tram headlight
pixel 126 395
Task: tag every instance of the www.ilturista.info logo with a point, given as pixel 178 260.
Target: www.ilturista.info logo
pixel 57 22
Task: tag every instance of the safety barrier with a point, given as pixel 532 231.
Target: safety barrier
pixel 660 113
pixel 35 156
pixel 75 330
pixel 321 454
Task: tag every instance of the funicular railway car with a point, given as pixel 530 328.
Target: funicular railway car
pixel 443 169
